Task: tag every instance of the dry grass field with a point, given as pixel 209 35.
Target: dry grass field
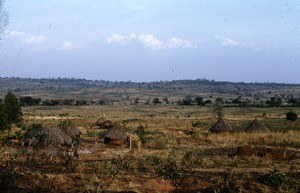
pixel 175 157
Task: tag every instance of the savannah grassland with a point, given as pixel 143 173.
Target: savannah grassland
pixel 176 157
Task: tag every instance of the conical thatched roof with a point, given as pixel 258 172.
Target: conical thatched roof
pixel 221 126
pixel 256 126
pixel 106 124
pixel 71 130
pixel 116 132
pixel 53 136
pixel 101 120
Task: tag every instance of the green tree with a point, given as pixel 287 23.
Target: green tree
pixel 156 101
pixel 4 125
pixel 187 101
pixel 199 101
pixel 12 108
pixel 291 116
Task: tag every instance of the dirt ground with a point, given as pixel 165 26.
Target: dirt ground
pixel 175 158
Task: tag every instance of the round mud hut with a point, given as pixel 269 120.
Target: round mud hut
pixel 256 127
pixel 221 126
pixel 116 135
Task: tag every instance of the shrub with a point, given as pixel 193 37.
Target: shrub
pixel 172 171
pixel 140 131
pixel 291 116
pixel 274 178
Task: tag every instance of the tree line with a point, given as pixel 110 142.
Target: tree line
pixel 186 101
pixel 30 101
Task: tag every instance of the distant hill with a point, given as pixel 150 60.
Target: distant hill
pixel 89 89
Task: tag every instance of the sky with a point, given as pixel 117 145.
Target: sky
pixel 152 40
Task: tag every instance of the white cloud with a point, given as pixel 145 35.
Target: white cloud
pixel 225 41
pixel 180 43
pixel 26 38
pixel 67 45
pixel 150 41
pixel 116 39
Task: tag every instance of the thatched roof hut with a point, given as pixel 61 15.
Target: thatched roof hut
pixel 52 135
pixel 221 126
pixel 116 134
pixel 71 130
pixel 256 126
pixel 101 120
pixel 104 123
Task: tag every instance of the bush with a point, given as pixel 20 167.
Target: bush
pixel 172 171
pixel 140 131
pixel 274 178
pixel 291 116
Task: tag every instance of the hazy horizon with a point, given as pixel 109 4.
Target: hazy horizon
pixel 144 41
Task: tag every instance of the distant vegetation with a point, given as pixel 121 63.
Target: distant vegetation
pixel 200 92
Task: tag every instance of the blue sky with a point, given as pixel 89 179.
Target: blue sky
pixel 153 40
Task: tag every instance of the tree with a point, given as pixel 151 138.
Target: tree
pixel 4 125
pixel 199 101
pixel 156 101
pixel 208 102
pixel 187 101
pixel 29 101
pixel 12 108
pixel 274 102
pixel 291 116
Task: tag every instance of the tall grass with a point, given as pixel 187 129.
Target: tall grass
pixel 289 139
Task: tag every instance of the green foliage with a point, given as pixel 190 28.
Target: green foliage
pixel 176 172
pixel 117 165
pixel 274 178
pixel 29 101
pixel 187 101
pixel 291 116
pixel 156 101
pixel 199 101
pixel 140 131
pixel 4 125
pixel 274 102
pixel 12 108
pixel 172 171
pixel 33 131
